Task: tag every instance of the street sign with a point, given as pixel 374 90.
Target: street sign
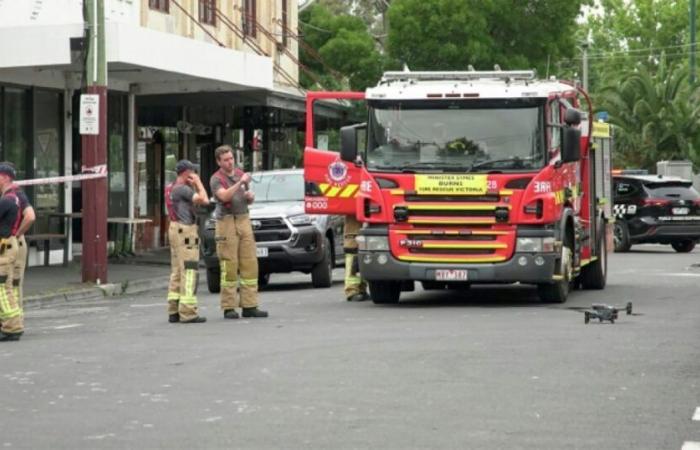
pixel 89 114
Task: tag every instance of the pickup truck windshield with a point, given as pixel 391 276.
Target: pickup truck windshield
pixel 278 187
pixel 503 137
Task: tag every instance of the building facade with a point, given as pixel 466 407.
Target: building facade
pixel 184 76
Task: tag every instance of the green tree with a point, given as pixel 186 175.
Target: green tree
pixel 452 34
pixel 349 55
pixel 656 114
pixel 623 33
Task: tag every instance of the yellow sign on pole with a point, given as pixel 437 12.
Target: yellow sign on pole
pixel 601 129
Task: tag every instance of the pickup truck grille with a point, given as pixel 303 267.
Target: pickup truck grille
pixel 270 229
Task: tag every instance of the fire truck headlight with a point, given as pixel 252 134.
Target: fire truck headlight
pixel 373 243
pixel 535 245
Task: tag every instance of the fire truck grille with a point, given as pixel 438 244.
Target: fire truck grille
pixel 450 251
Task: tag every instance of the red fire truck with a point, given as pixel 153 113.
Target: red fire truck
pixel 473 177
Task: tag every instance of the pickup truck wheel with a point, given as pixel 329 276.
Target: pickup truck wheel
pixel 683 246
pixel 322 273
pixel 385 292
pixel 214 280
pixel 263 279
pixel 558 291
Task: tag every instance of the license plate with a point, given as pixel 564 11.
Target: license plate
pixel 261 252
pixel 680 211
pixel 450 275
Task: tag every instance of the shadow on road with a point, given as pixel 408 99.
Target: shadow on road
pixel 481 296
pixel 287 286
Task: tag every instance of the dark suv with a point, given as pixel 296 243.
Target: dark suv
pixel 287 239
pixel 655 209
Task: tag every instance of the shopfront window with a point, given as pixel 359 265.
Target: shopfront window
pixel 14 127
pixel 117 143
pixel 48 155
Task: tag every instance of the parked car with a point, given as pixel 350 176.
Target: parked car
pixel 287 239
pixel 655 209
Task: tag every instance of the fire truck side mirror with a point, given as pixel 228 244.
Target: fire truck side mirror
pixel 570 144
pixel 572 116
pixel 348 143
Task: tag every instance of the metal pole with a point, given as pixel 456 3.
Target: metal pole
pixel 585 66
pixel 693 13
pixel 94 152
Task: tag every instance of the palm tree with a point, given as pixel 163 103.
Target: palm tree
pixel 656 114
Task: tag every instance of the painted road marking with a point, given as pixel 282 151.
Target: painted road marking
pixel 146 305
pixel 691 446
pixel 70 325
pixel 696 416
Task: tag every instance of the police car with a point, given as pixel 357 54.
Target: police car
pixel 655 209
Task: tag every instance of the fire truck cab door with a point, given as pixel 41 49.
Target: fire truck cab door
pixel 331 184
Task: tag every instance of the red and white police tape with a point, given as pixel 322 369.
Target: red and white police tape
pixel 88 173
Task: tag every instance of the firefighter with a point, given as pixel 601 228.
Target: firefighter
pixel 11 317
pixel 235 242
pixel 180 198
pixel 355 286
pixel 26 219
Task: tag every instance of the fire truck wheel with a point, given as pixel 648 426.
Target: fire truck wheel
pixel 683 246
pixel 621 236
pixel 385 292
pixel 322 273
pixel 558 291
pixel 595 273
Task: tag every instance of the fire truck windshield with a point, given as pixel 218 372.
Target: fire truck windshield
pixel 435 136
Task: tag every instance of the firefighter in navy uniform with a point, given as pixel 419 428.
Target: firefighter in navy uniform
pixel 180 197
pixel 355 286
pixel 11 317
pixel 235 241
pixel 26 219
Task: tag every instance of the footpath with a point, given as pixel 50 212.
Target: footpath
pixel 57 283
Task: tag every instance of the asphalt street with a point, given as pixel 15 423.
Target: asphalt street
pixel 484 368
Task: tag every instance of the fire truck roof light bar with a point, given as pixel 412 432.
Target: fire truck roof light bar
pixel 470 75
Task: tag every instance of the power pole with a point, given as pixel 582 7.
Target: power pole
pixel 94 147
pixel 692 41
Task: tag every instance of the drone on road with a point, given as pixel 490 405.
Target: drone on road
pixel 604 312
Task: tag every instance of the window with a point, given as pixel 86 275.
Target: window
pixel 624 189
pixel 207 12
pixel 554 120
pixel 160 5
pixel 249 16
pixel 48 155
pixel 14 128
pixel 117 153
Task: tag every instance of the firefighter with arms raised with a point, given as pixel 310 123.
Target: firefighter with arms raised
pixel 180 198
pixel 235 241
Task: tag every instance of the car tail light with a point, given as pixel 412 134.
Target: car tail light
pixel 656 202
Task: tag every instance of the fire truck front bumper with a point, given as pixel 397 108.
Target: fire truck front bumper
pixel 530 268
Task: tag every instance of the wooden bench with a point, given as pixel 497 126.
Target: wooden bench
pixel 46 238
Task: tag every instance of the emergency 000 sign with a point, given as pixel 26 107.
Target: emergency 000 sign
pixel 451 184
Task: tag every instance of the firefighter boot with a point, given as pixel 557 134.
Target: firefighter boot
pixel 231 314
pixel 254 312
pixel 198 319
pixel 6 337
